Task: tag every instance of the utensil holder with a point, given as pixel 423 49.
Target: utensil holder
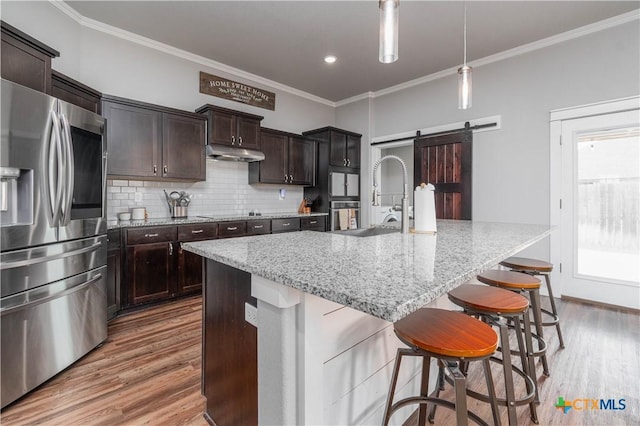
pixel 178 211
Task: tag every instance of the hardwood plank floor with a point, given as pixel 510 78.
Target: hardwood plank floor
pixel 148 372
pixel 601 360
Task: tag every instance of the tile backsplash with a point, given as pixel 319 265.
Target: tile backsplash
pixel 225 192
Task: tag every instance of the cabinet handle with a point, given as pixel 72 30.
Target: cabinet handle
pixel 290 178
pixel 233 140
pixel 232 228
pixel 197 231
pixel 313 222
pixel 165 169
pixel 170 249
pixel 155 169
pixel 348 162
pixel 286 224
pixel 239 140
pixel 344 162
pixel 286 178
pixel 150 235
pixel 258 226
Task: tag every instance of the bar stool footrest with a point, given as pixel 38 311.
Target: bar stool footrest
pixel 436 401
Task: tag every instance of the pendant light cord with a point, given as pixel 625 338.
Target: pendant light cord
pixel 465 35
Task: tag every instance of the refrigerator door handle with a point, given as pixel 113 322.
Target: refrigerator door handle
pixel 53 184
pixel 32 261
pixel 37 301
pixel 69 170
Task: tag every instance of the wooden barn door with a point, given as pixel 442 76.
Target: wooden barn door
pixel 444 160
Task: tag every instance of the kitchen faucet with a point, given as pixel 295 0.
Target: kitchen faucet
pixel 405 197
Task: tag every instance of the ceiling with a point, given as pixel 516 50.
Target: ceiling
pixel 286 41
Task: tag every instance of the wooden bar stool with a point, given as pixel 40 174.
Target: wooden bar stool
pixel 495 306
pixel 450 337
pixel 539 268
pixel 523 283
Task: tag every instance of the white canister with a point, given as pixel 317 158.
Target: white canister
pixel 138 213
pixel 424 209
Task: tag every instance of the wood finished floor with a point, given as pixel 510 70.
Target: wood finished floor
pixel 148 372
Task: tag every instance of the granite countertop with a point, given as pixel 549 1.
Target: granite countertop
pixel 114 224
pixel 387 276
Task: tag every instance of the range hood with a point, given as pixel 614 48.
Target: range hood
pixel 228 153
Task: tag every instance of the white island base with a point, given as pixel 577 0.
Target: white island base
pixel 321 363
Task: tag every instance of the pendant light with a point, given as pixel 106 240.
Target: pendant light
pixel 388 31
pixel 464 73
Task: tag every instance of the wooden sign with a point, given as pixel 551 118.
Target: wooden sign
pixel 221 87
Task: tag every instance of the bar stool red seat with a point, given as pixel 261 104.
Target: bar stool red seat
pixel 538 268
pixel 452 338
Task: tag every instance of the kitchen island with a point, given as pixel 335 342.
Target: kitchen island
pixel 326 306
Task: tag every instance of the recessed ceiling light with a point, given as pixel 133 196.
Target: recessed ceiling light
pixel 330 59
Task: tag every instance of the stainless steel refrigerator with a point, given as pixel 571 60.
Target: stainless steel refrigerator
pixel 53 237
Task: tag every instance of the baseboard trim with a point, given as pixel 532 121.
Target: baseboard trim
pixel 601 304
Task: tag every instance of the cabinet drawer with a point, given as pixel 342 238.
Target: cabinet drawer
pixel 285 225
pixel 151 235
pixel 202 231
pixel 316 223
pixel 259 227
pixel 232 229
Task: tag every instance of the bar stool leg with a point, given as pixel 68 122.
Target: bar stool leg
pixel 554 310
pixel 436 393
pixel 537 316
pixel 460 386
pixel 508 373
pixel 424 389
pixel 392 387
pixel 530 367
pixel 486 365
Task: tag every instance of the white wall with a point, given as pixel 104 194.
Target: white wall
pixel 120 67
pixel 511 166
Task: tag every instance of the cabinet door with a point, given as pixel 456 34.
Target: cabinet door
pixel 353 185
pixel 190 272
pixel 221 128
pixel 133 136
pixel 113 282
pixel 338 149
pixel 25 65
pixel 273 169
pixel 301 161
pixel 232 229
pixel 336 184
pixel 248 133
pixel 183 141
pixel 258 227
pixel 150 269
pixel 353 151
pixel 290 224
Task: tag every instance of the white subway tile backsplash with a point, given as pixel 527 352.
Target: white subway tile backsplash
pixel 226 191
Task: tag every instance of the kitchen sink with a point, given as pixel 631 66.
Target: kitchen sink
pixel 367 232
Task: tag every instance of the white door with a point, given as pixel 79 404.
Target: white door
pixel 600 216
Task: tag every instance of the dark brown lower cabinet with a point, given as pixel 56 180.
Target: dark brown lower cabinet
pixel 151 271
pixel 114 272
pixel 230 348
pixel 190 265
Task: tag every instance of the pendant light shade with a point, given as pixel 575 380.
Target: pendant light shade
pixel 388 31
pixel 464 87
pixel 464 73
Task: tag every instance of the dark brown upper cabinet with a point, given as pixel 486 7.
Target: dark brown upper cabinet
pixel 74 92
pixel 232 128
pixel 25 60
pixel 149 142
pixel 289 159
pixel 344 146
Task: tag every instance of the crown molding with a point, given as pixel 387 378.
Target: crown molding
pixel 525 48
pixel 153 44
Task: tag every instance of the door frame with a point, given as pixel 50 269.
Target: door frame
pixel 405 139
pixel 556 117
